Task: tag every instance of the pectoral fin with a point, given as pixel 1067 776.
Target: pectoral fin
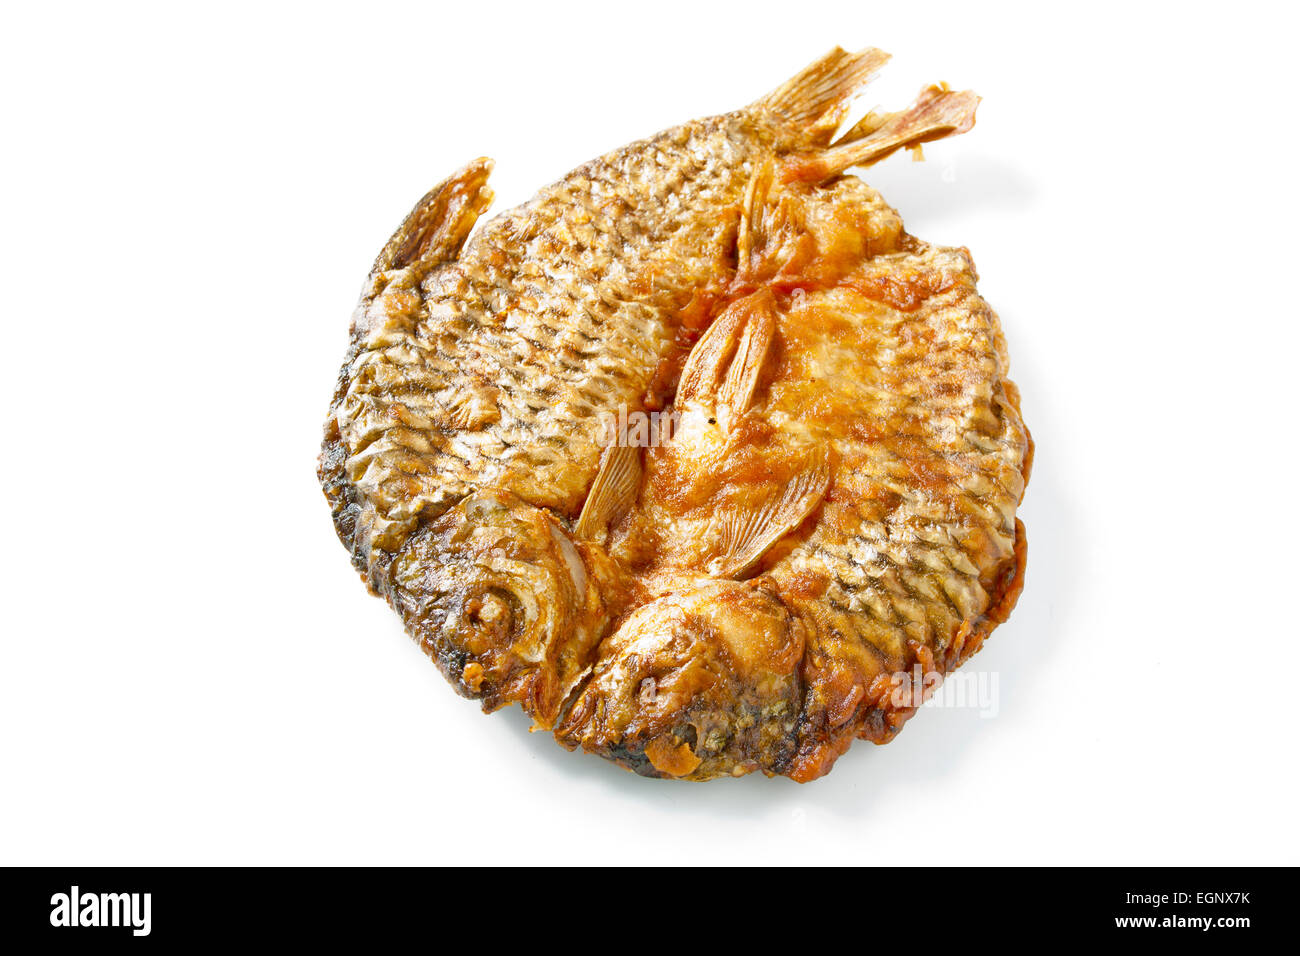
pixel 749 237
pixel 749 532
pixel 614 491
pixel 728 360
pixel 772 236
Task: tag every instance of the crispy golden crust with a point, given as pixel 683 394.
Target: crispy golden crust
pixel 835 503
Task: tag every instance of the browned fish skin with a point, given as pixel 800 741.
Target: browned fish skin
pixel 839 505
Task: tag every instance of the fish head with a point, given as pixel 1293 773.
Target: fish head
pixel 509 605
pixel 700 681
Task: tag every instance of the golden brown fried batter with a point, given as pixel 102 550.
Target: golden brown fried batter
pixel 697 452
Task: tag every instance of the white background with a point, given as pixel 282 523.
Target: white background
pixel 192 672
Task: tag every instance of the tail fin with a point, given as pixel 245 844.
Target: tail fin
pixel 818 96
pixel 937 112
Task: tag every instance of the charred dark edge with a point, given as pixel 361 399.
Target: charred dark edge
pixel 342 495
pixel 633 759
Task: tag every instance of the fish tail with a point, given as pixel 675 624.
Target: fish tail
pixel 937 112
pixel 438 226
pixel 818 95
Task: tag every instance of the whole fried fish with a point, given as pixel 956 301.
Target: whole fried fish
pixel 698 456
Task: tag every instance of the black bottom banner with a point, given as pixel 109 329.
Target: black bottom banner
pixel 930 906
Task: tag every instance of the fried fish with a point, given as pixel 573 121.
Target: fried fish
pixel 817 501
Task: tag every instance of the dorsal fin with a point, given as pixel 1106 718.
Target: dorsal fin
pixel 818 95
pixel 749 532
pixel 438 226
